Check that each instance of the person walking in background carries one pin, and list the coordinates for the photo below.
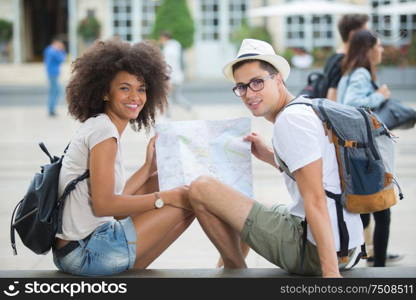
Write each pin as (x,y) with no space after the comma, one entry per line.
(357,85)
(347,25)
(54,55)
(357,88)
(172,51)
(302,59)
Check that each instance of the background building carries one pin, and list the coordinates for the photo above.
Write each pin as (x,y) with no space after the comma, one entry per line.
(307,24)
(310,23)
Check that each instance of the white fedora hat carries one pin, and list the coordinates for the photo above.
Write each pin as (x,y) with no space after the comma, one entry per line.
(256,49)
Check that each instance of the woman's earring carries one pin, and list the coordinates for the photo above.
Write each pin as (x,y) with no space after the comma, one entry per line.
(106,99)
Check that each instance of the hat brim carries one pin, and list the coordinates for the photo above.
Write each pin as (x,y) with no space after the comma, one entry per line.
(279,62)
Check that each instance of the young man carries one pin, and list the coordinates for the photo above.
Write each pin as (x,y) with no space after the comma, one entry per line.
(228,217)
(347,25)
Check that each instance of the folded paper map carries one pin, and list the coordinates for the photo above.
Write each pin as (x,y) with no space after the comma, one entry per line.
(188,149)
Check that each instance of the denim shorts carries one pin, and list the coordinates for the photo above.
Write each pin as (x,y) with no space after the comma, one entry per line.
(110,249)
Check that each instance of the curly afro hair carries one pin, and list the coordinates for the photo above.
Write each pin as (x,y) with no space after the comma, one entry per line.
(93,72)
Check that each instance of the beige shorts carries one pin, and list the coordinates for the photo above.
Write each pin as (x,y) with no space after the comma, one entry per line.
(276,235)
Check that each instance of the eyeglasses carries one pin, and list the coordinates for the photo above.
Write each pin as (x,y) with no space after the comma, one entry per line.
(255,85)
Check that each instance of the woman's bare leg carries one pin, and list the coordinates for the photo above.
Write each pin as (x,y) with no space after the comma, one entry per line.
(157,229)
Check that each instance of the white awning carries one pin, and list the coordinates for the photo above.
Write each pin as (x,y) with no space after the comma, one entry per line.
(399,8)
(309,8)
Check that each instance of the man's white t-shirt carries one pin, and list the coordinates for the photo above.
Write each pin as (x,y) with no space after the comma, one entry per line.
(299,139)
(78,216)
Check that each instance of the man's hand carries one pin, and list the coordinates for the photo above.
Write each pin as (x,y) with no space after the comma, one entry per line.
(260,149)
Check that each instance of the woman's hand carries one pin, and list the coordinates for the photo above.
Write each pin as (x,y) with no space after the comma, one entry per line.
(177,197)
(260,149)
(385,91)
(151,155)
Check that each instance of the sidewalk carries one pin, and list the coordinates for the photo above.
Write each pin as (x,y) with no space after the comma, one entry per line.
(20,158)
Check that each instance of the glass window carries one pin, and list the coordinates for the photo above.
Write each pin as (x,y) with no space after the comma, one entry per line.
(382,25)
(407,28)
(322,31)
(295,31)
(237,11)
(149,9)
(122,19)
(209,19)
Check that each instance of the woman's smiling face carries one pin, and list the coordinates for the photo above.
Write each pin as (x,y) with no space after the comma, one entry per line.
(127,96)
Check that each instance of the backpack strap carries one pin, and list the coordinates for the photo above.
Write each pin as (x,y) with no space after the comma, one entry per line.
(68,189)
(369,135)
(12,229)
(45,150)
(344,237)
(282,166)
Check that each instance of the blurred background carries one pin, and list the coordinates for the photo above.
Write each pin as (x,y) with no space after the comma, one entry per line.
(205,28)
(209,32)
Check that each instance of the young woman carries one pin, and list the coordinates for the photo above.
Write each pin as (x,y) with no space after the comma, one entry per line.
(357,88)
(357,85)
(109,224)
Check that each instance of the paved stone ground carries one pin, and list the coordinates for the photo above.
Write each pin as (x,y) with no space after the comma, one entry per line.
(22,127)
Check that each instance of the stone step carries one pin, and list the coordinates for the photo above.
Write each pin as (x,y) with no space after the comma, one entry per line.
(366,272)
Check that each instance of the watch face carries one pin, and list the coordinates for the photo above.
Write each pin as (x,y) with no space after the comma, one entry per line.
(159,203)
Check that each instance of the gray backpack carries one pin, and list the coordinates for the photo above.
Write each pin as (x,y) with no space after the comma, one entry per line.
(365,154)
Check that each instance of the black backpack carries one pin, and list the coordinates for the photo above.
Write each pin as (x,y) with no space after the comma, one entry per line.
(38,216)
(318,83)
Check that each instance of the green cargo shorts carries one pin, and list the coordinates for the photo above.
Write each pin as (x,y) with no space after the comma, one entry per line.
(276,235)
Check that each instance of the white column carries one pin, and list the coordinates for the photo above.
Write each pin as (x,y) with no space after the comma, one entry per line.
(197,22)
(336,38)
(136,20)
(17,31)
(110,19)
(308,32)
(395,29)
(280,42)
(224,21)
(72,26)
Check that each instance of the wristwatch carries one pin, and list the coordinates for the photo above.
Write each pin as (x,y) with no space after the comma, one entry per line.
(159,203)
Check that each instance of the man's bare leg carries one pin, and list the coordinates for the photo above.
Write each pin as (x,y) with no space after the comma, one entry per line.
(222,212)
(244,250)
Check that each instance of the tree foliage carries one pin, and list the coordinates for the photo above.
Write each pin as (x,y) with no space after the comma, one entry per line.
(89,28)
(173,16)
(245,31)
(6,30)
